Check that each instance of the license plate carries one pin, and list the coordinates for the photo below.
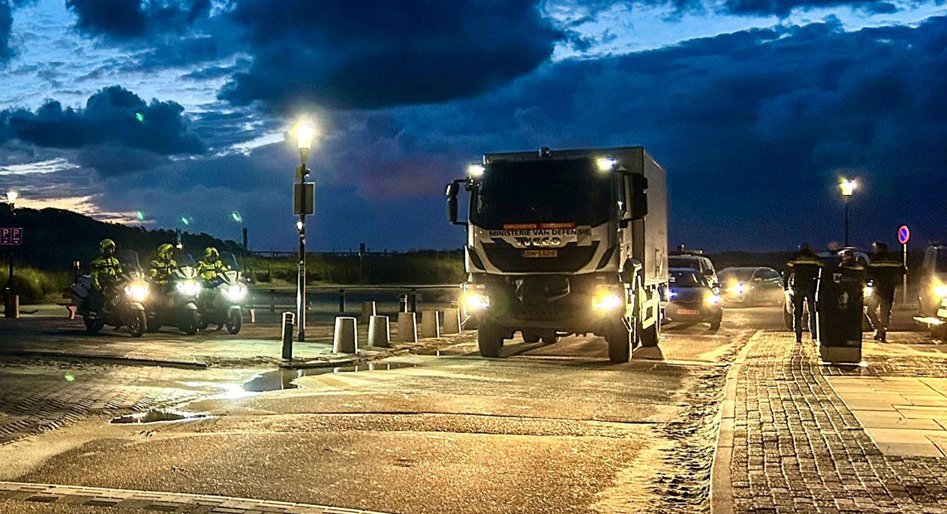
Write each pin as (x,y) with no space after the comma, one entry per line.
(540,254)
(688,312)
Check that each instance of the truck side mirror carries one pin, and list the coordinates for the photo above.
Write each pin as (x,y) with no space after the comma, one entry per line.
(639,196)
(451,193)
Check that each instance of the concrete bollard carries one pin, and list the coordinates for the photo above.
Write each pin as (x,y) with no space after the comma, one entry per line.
(378,332)
(407,327)
(368,310)
(451,321)
(430,324)
(346,338)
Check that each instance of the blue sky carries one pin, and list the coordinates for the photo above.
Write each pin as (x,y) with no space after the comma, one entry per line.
(756,107)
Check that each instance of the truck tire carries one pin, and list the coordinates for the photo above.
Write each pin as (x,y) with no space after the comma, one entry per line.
(489,339)
(531,337)
(649,337)
(552,338)
(619,343)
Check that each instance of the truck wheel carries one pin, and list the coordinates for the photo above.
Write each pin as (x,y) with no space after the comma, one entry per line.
(619,343)
(649,337)
(531,337)
(939,332)
(489,339)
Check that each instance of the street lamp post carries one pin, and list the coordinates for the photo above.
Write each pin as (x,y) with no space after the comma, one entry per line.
(304,135)
(9,308)
(847,187)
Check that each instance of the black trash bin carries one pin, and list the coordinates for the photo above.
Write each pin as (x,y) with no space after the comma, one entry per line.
(839,308)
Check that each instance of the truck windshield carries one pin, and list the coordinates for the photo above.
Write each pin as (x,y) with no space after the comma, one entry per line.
(552,191)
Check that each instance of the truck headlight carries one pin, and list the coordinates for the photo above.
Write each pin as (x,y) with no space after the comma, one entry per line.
(189,288)
(941,291)
(137,291)
(476,300)
(235,293)
(712,299)
(605,301)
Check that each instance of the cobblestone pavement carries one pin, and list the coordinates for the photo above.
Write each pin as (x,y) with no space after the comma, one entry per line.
(798,448)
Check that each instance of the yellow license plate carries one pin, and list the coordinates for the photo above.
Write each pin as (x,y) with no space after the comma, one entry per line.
(540,254)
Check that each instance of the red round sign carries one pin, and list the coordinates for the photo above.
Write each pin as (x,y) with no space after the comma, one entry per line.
(904,234)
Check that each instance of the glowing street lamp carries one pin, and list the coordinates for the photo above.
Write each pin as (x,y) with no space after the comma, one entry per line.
(11,198)
(305,133)
(847,188)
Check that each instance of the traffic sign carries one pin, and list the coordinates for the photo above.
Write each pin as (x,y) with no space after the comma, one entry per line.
(904,234)
(11,236)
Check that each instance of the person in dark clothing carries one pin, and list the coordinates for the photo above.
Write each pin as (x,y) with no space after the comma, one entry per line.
(800,282)
(884,273)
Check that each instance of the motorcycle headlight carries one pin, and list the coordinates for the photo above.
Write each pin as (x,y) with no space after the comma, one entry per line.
(476,300)
(712,299)
(137,291)
(606,301)
(941,291)
(189,287)
(235,293)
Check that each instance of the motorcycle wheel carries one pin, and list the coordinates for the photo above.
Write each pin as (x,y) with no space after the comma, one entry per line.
(137,324)
(234,322)
(93,325)
(192,324)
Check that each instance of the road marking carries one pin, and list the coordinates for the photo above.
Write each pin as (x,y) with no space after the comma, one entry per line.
(159,501)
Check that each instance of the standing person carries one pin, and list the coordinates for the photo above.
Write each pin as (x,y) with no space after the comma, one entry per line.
(800,282)
(884,274)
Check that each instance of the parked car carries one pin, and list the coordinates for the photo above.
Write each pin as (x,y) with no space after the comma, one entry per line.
(751,286)
(692,299)
(696,260)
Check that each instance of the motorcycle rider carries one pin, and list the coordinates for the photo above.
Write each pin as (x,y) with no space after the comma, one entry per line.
(801,281)
(164,266)
(105,272)
(211,268)
(885,272)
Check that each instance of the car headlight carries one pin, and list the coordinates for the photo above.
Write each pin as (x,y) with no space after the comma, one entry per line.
(941,291)
(189,288)
(235,293)
(736,289)
(712,299)
(137,291)
(605,301)
(476,300)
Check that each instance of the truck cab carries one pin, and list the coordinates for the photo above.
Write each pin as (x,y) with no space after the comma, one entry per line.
(565,242)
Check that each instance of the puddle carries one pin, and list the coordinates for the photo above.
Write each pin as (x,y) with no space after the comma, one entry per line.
(280,379)
(156,416)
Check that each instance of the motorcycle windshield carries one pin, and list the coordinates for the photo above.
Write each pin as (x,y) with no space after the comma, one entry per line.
(230,260)
(129,260)
(186,261)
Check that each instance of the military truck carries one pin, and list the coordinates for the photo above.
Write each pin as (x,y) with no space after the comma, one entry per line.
(565,242)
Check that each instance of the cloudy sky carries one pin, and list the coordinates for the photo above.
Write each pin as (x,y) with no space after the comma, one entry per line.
(171,109)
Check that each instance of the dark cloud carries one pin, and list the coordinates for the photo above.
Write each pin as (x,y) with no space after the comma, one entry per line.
(785,7)
(128,19)
(367,54)
(6,26)
(117,131)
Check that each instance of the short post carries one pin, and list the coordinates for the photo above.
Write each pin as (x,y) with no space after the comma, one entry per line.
(403,303)
(430,324)
(368,310)
(341,300)
(272,301)
(413,300)
(289,320)
(407,327)
(451,321)
(345,339)
(378,332)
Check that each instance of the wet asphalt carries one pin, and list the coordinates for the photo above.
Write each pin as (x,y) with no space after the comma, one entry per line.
(544,429)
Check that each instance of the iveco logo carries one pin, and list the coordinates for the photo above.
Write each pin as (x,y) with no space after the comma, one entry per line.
(539,241)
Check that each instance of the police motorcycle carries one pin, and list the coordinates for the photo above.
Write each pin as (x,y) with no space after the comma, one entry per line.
(176,304)
(222,299)
(121,305)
